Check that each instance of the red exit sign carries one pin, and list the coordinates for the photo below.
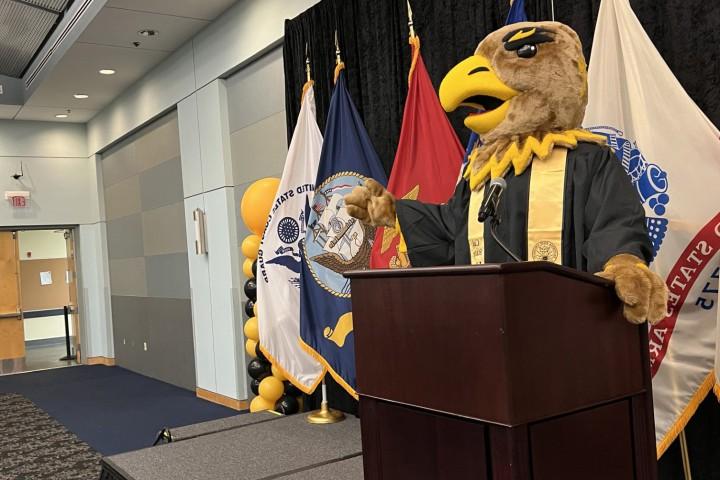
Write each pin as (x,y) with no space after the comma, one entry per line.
(18,199)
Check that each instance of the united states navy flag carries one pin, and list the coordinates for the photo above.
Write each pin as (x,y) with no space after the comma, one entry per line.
(335,242)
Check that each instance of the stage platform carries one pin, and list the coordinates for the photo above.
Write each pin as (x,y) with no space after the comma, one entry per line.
(258,446)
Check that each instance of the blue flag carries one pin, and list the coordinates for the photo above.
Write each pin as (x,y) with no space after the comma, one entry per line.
(335,242)
(515,15)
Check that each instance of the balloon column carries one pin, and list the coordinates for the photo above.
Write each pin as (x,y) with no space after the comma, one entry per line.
(271,386)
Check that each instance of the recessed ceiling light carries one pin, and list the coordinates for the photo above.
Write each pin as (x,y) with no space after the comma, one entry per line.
(107,71)
(80,95)
(61,115)
(148,32)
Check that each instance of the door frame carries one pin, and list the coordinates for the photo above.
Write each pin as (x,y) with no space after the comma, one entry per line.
(81,309)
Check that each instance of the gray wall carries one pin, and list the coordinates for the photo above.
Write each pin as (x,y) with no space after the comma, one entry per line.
(258,135)
(149,280)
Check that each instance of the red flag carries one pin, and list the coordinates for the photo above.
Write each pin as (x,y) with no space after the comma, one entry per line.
(427,160)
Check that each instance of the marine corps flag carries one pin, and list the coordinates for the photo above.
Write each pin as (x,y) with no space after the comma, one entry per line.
(278,275)
(334,241)
(427,158)
(672,153)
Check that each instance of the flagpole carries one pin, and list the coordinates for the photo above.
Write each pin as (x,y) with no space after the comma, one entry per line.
(685,455)
(552,10)
(410,20)
(307,64)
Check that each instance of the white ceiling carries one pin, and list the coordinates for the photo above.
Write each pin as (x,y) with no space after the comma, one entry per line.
(107,42)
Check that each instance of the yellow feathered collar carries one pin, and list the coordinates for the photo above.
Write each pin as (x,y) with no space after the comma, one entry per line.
(519,152)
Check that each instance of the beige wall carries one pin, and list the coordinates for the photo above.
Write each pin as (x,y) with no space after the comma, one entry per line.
(42,244)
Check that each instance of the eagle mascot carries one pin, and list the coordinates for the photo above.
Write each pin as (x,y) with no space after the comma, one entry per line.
(568,200)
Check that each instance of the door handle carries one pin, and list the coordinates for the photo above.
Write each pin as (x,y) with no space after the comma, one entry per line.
(11,315)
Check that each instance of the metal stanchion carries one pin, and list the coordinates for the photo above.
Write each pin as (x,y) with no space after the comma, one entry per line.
(68,356)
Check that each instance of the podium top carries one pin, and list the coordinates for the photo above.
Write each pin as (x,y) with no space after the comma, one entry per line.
(486,269)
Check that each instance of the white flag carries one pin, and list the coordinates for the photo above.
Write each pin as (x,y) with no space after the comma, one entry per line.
(278,264)
(671,151)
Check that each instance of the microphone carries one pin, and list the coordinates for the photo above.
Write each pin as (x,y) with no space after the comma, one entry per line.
(489,209)
(490,204)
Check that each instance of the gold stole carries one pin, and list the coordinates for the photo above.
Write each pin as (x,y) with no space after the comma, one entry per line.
(545,212)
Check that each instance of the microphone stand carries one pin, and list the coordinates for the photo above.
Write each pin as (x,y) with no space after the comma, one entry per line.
(494,222)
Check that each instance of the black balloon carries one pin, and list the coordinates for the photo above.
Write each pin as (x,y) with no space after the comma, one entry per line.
(254,268)
(288,405)
(292,390)
(259,353)
(258,369)
(250,289)
(255,386)
(249,308)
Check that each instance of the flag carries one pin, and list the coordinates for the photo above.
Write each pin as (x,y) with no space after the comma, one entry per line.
(335,242)
(278,272)
(671,152)
(427,158)
(515,15)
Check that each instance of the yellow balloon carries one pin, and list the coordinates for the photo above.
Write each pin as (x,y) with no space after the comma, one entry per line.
(250,345)
(271,389)
(247,268)
(278,374)
(250,246)
(259,404)
(251,329)
(256,203)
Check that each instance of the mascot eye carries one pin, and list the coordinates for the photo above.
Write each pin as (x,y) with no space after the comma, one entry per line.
(527,51)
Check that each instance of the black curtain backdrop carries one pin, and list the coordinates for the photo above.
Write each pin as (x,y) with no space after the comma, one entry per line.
(373,40)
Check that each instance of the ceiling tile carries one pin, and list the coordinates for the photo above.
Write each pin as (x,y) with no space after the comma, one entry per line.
(204,10)
(119,27)
(8,111)
(77,72)
(47,114)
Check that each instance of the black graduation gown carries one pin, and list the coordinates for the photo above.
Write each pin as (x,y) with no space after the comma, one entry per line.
(602,217)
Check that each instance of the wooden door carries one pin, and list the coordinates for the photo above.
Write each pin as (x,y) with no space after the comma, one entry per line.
(12,331)
(71,279)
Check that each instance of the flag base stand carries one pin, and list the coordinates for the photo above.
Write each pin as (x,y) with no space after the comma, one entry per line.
(325,415)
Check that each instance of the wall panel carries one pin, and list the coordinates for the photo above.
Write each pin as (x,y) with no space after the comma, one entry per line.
(149,279)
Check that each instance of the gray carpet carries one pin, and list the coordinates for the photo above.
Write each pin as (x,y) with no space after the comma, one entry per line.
(350,469)
(34,446)
(264,450)
(220,425)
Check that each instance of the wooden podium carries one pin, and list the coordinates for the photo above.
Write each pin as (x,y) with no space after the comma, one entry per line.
(512,371)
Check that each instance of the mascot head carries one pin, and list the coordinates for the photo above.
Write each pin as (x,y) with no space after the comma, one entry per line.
(525,78)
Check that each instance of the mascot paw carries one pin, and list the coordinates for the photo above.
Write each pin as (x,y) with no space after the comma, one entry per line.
(642,291)
(371,204)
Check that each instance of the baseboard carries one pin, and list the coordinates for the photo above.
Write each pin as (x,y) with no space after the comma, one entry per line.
(109,362)
(222,399)
(45,342)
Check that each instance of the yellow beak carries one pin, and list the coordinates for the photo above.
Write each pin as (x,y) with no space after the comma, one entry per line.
(473,83)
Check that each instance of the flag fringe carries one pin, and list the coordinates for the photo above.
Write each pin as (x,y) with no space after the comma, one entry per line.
(415,44)
(683,419)
(305,88)
(341,381)
(303,388)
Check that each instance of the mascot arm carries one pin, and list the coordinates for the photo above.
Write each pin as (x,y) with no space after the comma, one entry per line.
(618,245)
(430,230)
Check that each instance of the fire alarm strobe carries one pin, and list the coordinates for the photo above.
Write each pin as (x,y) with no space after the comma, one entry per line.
(18,199)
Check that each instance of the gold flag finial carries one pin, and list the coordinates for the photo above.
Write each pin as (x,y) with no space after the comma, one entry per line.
(307,62)
(410,20)
(338,58)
